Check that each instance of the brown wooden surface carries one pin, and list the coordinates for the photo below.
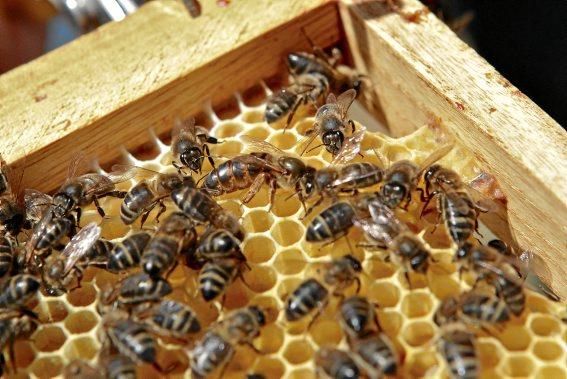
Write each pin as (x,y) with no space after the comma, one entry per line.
(422,69)
(107,88)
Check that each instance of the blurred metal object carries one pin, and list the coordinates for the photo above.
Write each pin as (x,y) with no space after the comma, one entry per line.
(89,14)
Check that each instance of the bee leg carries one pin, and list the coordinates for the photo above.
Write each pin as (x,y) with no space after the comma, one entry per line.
(79,212)
(251,346)
(117,194)
(209,158)
(273,188)
(178,167)
(98,207)
(317,314)
(424,210)
(308,211)
(407,276)
(358,285)
(11,354)
(162,209)
(224,367)
(255,187)
(352,126)
(171,269)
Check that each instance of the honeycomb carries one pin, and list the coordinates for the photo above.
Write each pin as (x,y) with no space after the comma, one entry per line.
(280,258)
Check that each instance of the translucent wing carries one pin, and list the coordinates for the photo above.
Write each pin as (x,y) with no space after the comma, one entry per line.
(348,178)
(36,233)
(253,159)
(350,147)
(435,156)
(78,165)
(331,99)
(487,194)
(536,273)
(80,244)
(183,126)
(122,170)
(383,225)
(345,100)
(120,176)
(258,145)
(36,203)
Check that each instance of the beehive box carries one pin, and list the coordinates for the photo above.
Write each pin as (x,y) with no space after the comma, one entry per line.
(105,90)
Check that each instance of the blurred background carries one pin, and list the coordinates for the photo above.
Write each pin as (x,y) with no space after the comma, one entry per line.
(525,40)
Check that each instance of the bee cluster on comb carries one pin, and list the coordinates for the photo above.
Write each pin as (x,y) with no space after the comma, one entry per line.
(281,259)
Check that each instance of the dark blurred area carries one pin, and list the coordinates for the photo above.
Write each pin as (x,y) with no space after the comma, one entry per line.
(525,40)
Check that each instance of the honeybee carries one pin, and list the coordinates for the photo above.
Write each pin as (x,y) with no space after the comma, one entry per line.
(136,291)
(329,182)
(335,363)
(306,88)
(127,253)
(189,145)
(80,369)
(175,234)
(47,234)
(375,354)
(131,339)
(454,202)
(331,123)
(173,319)
(312,295)
(402,177)
(59,269)
(14,324)
(216,348)
(356,314)
(314,75)
(332,223)
(82,190)
(501,271)
(473,309)
(12,209)
(146,194)
(457,346)
(202,208)
(18,290)
(291,171)
(121,367)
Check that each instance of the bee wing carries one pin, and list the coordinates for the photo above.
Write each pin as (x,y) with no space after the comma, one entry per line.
(384,215)
(331,99)
(536,272)
(80,244)
(36,203)
(123,174)
(78,164)
(183,126)
(125,169)
(36,233)
(252,159)
(347,178)
(373,231)
(435,156)
(258,145)
(350,147)
(344,101)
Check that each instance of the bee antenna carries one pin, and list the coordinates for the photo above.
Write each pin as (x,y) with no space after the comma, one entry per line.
(292,195)
(313,148)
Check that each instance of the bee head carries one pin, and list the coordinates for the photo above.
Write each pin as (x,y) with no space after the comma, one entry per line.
(258,315)
(297,63)
(333,141)
(192,158)
(393,193)
(353,262)
(307,182)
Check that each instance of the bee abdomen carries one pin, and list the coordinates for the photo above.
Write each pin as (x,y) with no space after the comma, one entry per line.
(459,352)
(363,175)
(377,351)
(512,294)
(132,340)
(141,287)
(356,313)
(486,308)
(330,223)
(209,354)
(221,244)
(193,202)
(18,290)
(100,250)
(126,254)
(53,232)
(305,299)
(336,364)
(278,105)
(160,255)
(6,256)
(459,216)
(215,277)
(135,202)
(176,318)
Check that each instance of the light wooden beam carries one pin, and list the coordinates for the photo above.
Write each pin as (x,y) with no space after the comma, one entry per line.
(421,70)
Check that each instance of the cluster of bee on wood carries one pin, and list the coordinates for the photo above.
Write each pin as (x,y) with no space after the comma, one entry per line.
(43,246)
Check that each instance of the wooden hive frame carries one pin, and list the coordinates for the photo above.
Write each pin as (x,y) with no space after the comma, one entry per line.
(103,90)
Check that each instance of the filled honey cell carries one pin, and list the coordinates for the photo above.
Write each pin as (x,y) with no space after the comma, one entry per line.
(81,348)
(416,305)
(518,367)
(258,221)
(297,351)
(547,350)
(49,339)
(544,325)
(81,322)
(259,248)
(326,332)
(228,129)
(418,333)
(515,338)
